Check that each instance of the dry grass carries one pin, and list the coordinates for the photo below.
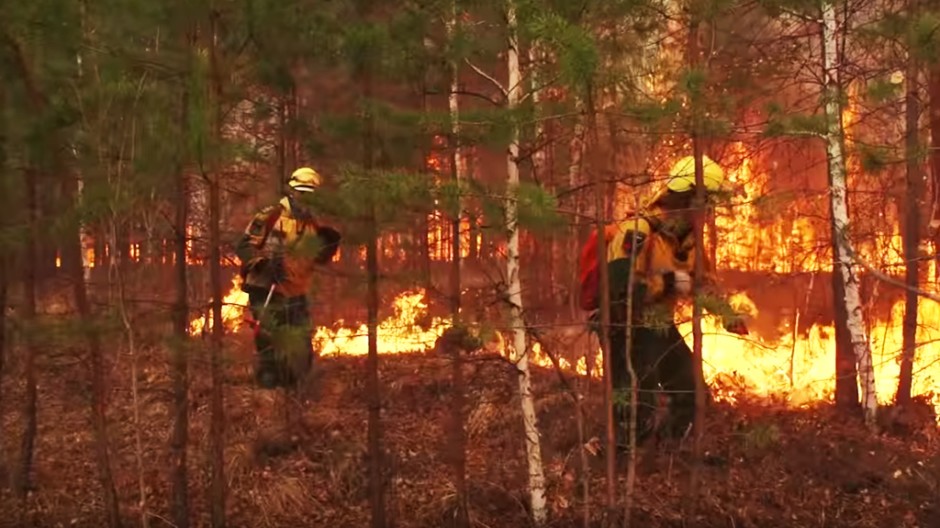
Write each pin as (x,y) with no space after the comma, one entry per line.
(766,467)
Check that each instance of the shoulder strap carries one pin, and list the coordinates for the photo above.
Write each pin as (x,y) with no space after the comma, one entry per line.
(273,216)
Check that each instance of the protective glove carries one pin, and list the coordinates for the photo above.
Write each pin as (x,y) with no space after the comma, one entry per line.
(278,272)
(683,282)
(735,325)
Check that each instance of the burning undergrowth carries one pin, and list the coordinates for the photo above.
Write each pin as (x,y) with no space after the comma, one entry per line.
(793,367)
(772,459)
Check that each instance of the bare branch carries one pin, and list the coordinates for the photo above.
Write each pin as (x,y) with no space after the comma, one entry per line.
(539,88)
(502,89)
(468,93)
(884,277)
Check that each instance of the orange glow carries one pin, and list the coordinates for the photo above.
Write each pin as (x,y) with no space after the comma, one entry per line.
(752,237)
(440,228)
(233,310)
(191,259)
(406,330)
(735,365)
(398,334)
(440,234)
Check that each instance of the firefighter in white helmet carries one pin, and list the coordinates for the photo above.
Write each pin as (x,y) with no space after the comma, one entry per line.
(662,270)
(278,252)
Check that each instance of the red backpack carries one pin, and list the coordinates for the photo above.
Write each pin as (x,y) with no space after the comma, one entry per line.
(589,276)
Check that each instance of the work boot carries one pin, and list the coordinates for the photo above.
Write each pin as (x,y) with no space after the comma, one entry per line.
(266,372)
(266,378)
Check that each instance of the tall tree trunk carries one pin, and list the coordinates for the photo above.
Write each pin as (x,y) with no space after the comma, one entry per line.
(7,204)
(540,246)
(575,171)
(72,261)
(514,286)
(217,420)
(217,410)
(281,149)
(698,274)
(840,218)
(20,476)
(456,168)
(600,218)
(23,470)
(458,440)
(420,249)
(179,365)
(933,89)
(914,188)
(376,458)
(4,299)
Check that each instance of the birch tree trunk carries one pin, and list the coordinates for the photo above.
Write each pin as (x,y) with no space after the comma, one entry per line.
(575,166)
(456,167)
(514,293)
(840,218)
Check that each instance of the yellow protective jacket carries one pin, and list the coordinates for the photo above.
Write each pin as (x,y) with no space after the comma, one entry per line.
(276,232)
(658,255)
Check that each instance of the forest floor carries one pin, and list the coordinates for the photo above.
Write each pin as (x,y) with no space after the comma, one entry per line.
(765,465)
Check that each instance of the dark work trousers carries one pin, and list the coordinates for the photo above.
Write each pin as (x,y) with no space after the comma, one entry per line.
(285,352)
(662,362)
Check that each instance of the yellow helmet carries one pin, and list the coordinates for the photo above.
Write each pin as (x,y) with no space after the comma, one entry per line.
(304,179)
(682,177)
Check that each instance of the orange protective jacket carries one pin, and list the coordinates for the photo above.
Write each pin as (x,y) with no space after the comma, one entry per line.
(276,232)
(658,255)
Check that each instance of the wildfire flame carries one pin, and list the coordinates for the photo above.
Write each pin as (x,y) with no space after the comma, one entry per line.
(796,369)
(734,365)
(233,311)
(407,330)
(803,371)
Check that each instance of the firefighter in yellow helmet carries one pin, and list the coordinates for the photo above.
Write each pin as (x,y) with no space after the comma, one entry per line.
(278,252)
(661,240)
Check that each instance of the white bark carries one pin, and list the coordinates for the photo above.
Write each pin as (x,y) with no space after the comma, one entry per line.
(539,157)
(840,214)
(532,440)
(454,106)
(576,147)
